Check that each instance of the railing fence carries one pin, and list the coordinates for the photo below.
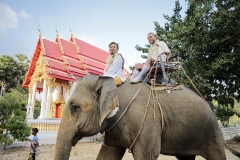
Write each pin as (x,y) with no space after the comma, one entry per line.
(230,132)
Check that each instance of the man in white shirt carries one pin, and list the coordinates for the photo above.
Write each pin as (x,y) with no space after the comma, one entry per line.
(156,47)
(114,64)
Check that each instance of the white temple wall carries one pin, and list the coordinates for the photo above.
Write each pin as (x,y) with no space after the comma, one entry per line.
(48,101)
(46,95)
(55,93)
(43,101)
(33,100)
(29,105)
(67,95)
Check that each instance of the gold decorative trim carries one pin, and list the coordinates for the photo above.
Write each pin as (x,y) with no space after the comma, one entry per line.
(83,64)
(40,72)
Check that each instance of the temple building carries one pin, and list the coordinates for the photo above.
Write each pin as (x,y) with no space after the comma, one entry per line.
(54,69)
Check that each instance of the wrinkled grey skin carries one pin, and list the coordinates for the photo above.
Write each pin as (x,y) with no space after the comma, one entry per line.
(190,127)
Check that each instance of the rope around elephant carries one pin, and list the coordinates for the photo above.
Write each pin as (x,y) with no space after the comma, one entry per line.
(144,117)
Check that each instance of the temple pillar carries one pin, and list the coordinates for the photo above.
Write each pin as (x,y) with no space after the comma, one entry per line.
(47,113)
(28,107)
(43,104)
(33,100)
(55,95)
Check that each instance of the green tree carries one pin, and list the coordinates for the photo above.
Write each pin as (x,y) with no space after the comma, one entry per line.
(208,41)
(234,120)
(13,71)
(23,64)
(9,69)
(224,112)
(13,124)
(22,94)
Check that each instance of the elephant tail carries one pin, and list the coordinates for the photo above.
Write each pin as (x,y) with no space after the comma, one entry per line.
(235,152)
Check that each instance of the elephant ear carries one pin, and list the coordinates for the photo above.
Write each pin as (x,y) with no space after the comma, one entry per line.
(106,91)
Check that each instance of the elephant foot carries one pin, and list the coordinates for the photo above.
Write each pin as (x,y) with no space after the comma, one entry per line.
(186,157)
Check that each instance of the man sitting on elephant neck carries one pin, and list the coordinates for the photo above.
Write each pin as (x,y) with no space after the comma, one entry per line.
(156,47)
(114,64)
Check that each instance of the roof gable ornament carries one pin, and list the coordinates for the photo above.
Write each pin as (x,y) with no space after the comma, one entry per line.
(82,62)
(39,32)
(65,64)
(57,39)
(41,40)
(59,43)
(70,31)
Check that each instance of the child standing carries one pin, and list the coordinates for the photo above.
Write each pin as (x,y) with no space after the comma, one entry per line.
(34,142)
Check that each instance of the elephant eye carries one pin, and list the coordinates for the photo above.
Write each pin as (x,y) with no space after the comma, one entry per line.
(75,108)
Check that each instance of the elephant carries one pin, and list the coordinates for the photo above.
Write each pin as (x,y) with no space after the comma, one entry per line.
(190,126)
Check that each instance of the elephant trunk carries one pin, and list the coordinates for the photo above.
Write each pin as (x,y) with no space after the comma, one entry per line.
(64,140)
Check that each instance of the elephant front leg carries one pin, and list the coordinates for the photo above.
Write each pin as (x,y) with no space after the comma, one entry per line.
(144,153)
(106,153)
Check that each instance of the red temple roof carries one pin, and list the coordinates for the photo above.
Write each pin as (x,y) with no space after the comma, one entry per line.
(32,65)
(91,51)
(60,75)
(63,59)
(71,57)
(94,57)
(52,63)
(68,48)
(51,49)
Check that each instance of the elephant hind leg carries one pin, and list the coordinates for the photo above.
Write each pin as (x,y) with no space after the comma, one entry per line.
(216,156)
(186,157)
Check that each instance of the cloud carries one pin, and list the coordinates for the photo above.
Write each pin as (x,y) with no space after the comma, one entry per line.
(23,14)
(9,18)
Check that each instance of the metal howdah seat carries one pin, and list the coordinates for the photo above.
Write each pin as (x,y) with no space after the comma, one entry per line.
(164,73)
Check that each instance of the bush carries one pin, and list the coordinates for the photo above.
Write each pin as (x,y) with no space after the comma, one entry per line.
(13,125)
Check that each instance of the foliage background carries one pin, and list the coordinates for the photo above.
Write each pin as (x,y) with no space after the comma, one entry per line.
(13,99)
(208,41)
(13,124)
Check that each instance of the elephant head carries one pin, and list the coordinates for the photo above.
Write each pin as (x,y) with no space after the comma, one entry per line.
(93,99)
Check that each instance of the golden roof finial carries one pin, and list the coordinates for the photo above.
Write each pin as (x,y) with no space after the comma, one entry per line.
(70,30)
(56,30)
(39,30)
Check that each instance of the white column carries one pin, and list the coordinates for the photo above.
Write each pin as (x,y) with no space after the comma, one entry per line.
(28,107)
(48,102)
(33,99)
(43,104)
(56,93)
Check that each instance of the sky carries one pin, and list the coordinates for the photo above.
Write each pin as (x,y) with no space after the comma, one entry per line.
(126,22)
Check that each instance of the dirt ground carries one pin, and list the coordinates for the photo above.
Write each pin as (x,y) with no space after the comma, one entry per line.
(89,151)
